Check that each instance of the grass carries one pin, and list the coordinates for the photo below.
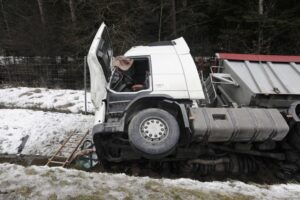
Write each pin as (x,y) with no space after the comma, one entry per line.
(158,190)
(64,183)
(30,171)
(29,93)
(181,194)
(65,105)
(52,197)
(24,191)
(37,90)
(50,174)
(128,193)
(101,194)
(153,186)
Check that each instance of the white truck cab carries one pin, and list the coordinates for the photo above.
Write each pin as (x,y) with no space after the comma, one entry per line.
(170,69)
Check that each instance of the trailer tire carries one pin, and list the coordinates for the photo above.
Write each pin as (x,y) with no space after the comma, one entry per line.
(154,133)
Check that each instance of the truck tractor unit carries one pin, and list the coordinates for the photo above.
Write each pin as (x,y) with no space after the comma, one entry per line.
(153,104)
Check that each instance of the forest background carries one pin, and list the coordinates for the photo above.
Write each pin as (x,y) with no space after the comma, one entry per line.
(67,27)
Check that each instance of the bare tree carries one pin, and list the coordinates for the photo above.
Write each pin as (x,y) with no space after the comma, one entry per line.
(184,7)
(261,7)
(41,9)
(160,19)
(173,11)
(5,18)
(72,11)
(260,24)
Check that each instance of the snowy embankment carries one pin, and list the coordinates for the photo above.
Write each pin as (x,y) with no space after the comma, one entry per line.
(36,182)
(45,130)
(45,99)
(29,132)
(44,133)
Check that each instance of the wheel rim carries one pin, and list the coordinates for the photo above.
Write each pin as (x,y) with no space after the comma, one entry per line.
(154,129)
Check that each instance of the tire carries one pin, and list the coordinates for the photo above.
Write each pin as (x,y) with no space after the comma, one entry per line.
(154,133)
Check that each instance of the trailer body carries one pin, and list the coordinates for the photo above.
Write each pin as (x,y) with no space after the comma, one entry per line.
(262,80)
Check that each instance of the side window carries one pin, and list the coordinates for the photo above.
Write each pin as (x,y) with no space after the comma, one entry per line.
(104,53)
(135,79)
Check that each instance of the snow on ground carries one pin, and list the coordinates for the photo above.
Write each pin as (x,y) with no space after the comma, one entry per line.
(40,182)
(46,130)
(45,99)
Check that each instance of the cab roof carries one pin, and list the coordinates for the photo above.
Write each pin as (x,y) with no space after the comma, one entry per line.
(178,46)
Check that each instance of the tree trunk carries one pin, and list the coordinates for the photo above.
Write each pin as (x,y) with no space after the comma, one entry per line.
(184,8)
(174,28)
(261,7)
(41,9)
(4,18)
(260,28)
(160,20)
(72,11)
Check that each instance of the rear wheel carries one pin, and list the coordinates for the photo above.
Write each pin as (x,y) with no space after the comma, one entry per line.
(154,132)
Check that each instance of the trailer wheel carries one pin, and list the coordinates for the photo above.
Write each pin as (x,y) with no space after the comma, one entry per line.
(154,133)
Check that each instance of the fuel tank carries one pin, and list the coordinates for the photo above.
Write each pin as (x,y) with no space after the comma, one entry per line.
(237,124)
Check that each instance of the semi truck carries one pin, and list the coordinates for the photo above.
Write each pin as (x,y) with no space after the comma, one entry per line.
(158,107)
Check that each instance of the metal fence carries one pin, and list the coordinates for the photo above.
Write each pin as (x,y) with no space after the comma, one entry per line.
(57,72)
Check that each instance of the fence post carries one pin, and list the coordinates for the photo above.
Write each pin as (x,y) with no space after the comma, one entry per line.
(85,101)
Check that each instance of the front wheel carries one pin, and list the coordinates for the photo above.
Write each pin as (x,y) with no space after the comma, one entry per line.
(154,132)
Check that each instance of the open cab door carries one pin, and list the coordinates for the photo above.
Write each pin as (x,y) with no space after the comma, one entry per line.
(99,61)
